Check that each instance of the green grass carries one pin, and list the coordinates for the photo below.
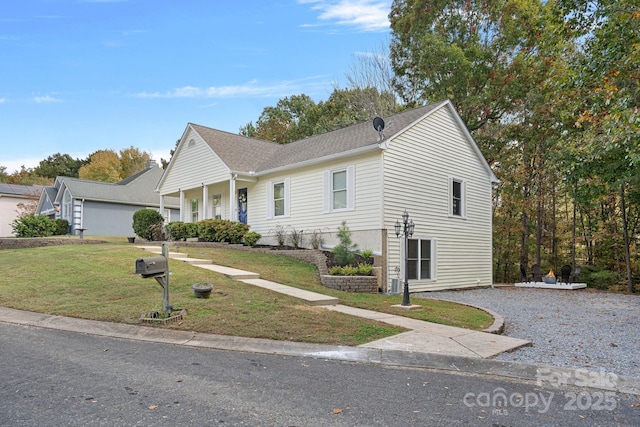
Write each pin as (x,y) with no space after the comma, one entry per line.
(295,273)
(99,282)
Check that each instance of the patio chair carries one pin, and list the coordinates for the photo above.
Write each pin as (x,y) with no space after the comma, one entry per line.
(576,274)
(565,273)
(523,274)
(536,272)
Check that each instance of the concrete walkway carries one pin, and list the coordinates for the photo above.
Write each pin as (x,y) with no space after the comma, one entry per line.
(423,337)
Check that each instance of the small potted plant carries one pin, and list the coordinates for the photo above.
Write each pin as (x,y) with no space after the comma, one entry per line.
(202,289)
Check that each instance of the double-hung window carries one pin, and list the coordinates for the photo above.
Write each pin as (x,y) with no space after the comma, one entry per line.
(457,202)
(339,189)
(279,196)
(420,259)
(216,206)
(194,210)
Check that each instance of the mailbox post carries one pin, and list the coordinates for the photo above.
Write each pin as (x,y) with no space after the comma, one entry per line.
(158,268)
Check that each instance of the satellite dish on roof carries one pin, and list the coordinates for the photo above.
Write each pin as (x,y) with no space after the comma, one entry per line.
(378,124)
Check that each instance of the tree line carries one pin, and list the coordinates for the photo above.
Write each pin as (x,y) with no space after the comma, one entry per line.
(102,165)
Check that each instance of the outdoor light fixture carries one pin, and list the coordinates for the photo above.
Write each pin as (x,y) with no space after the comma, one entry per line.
(406,230)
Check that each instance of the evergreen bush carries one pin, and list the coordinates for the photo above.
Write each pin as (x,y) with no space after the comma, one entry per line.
(345,251)
(62,227)
(32,225)
(147,223)
(251,238)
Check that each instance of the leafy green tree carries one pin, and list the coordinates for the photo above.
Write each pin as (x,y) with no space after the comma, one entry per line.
(299,116)
(103,165)
(27,176)
(288,121)
(472,52)
(606,109)
(132,161)
(58,165)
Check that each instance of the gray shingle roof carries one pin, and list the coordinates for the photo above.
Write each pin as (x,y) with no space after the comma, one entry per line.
(135,190)
(244,154)
(19,190)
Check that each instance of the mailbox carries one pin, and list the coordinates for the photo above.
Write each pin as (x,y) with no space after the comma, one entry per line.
(151,267)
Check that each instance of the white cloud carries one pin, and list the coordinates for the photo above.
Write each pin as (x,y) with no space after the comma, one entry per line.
(364,15)
(15,165)
(46,99)
(247,90)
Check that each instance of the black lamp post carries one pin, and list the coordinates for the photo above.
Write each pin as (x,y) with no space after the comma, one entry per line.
(406,230)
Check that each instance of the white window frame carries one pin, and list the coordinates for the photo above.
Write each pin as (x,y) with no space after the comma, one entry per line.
(195,214)
(67,205)
(432,260)
(463,198)
(271,201)
(329,191)
(217,210)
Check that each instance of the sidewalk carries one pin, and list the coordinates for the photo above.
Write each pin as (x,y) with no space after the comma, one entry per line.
(423,337)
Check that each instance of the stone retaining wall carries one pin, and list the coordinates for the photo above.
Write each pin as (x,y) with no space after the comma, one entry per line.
(36,242)
(363,284)
(366,284)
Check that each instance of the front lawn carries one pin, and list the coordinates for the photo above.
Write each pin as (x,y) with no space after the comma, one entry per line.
(99,282)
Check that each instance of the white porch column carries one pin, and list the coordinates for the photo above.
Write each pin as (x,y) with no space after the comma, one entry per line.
(162,208)
(233,214)
(205,201)
(181,205)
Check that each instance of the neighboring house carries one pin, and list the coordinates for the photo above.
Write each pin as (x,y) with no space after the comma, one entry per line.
(424,161)
(12,195)
(103,208)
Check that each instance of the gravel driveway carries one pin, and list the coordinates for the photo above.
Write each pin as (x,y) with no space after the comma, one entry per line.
(574,329)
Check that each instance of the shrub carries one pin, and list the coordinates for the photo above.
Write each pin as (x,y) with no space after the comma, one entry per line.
(147,223)
(349,270)
(281,235)
(316,239)
(336,270)
(221,230)
(251,238)
(602,279)
(345,251)
(32,225)
(62,227)
(296,238)
(365,269)
(207,230)
(178,230)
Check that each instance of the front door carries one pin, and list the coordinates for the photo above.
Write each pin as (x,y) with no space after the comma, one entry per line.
(242,205)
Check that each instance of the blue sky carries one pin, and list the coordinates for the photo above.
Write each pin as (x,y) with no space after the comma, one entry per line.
(78,76)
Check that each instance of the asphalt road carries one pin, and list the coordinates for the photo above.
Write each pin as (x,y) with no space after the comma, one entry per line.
(55,378)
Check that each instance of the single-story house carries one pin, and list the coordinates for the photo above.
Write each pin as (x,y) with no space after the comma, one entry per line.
(103,208)
(423,161)
(11,196)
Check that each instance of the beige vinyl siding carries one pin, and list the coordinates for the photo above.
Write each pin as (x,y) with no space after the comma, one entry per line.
(418,166)
(307,203)
(194,165)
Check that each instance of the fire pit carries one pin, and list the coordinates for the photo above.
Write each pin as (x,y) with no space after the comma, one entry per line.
(549,278)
